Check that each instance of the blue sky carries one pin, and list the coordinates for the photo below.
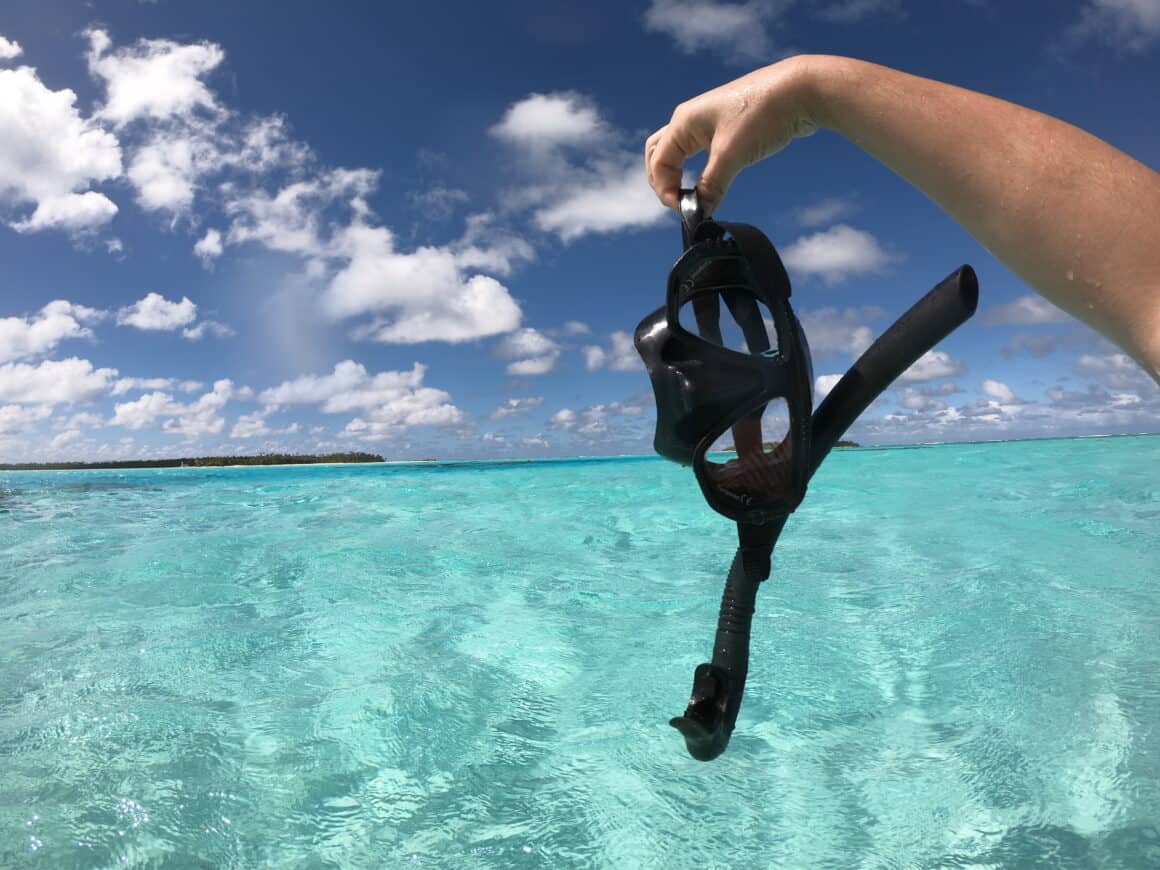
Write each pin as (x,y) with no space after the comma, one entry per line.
(424,231)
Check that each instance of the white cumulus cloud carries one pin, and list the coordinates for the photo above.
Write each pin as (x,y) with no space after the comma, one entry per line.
(42,332)
(836,254)
(83,420)
(348,379)
(1128,25)
(153,78)
(1028,310)
(579,179)
(209,247)
(156,313)
(144,411)
(423,295)
(389,402)
(128,385)
(53,382)
(164,171)
(181,134)
(916,400)
(536,366)
(824,212)
(74,213)
(619,355)
(545,121)
(998,390)
(822,386)
(489,248)
(513,407)
(593,420)
(9,48)
(594,357)
(432,293)
(52,156)
(1034,345)
(1116,371)
(17,419)
(845,330)
(849,11)
(291,220)
(438,203)
(931,365)
(251,426)
(532,352)
(739,31)
(65,439)
(615,197)
(207,327)
(255,425)
(193,419)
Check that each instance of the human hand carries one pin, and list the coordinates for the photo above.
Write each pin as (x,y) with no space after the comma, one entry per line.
(739,123)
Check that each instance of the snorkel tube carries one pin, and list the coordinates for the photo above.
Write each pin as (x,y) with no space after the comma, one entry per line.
(718,686)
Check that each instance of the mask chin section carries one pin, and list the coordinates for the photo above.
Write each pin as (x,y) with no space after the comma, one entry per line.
(751,462)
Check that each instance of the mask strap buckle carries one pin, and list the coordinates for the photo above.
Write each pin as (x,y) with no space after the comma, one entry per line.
(692,216)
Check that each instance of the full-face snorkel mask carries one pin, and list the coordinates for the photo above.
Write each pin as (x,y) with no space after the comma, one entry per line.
(704,388)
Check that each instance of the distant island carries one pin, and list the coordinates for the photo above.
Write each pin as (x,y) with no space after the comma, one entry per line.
(196,462)
(772,445)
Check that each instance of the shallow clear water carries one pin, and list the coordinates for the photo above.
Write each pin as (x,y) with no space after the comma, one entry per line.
(956,663)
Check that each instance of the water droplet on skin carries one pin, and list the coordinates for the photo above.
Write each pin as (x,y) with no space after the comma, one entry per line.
(1070,275)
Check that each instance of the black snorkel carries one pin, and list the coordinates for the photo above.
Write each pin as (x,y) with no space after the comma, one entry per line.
(702,389)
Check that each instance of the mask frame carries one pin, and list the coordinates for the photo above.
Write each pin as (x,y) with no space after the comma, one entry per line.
(702,387)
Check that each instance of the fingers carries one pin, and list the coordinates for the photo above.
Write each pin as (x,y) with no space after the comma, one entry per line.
(691,131)
(665,153)
(719,173)
(650,145)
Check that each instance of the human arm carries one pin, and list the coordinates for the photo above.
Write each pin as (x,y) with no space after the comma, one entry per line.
(1074,217)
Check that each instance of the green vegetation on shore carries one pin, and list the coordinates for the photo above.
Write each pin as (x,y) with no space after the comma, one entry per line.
(197,462)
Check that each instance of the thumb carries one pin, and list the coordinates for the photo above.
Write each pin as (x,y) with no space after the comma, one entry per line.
(720,170)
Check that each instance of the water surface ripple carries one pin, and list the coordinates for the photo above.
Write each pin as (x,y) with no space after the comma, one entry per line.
(955,664)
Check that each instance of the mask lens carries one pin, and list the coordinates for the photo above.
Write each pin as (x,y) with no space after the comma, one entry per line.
(750,461)
(731,317)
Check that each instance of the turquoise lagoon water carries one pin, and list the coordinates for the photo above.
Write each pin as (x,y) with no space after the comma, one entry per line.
(955,664)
